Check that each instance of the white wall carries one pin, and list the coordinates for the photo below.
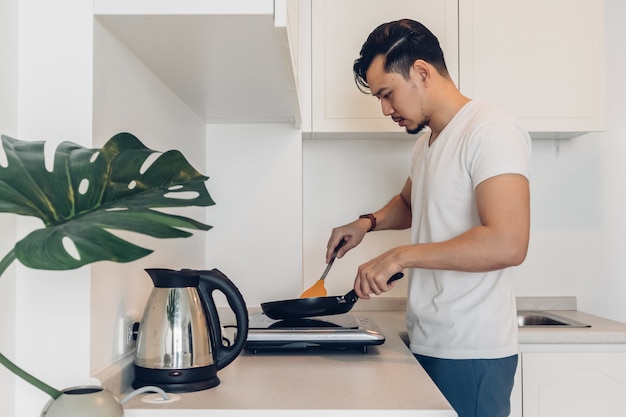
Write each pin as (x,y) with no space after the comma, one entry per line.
(8,126)
(341,180)
(7,318)
(54,104)
(129,98)
(256,182)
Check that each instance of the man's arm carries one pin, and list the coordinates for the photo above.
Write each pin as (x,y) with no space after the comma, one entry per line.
(501,240)
(395,215)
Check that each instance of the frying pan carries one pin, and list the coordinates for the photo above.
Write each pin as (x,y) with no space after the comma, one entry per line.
(314,306)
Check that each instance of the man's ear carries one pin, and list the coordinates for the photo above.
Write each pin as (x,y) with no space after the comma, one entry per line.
(421,70)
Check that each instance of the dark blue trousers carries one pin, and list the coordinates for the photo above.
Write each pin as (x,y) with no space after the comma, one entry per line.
(474,387)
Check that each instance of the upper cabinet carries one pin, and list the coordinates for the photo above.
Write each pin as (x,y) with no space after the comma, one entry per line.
(543,61)
(339,29)
(290,61)
(228,61)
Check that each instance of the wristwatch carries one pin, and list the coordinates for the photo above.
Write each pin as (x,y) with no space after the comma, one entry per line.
(372,219)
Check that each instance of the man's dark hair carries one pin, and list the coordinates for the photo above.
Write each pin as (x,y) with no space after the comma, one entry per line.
(401,43)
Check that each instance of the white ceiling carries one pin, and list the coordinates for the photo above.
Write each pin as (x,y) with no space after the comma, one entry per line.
(227,68)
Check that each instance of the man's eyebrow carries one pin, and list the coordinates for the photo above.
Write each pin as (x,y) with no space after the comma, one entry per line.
(379,92)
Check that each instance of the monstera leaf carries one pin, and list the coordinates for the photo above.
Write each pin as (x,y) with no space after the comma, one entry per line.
(88,193)
(92,191)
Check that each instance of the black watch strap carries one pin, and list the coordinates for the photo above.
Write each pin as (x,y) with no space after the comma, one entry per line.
(372,219)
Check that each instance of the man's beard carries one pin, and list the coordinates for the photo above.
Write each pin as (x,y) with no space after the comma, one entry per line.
(417,130)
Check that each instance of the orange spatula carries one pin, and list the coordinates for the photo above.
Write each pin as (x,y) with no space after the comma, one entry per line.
(318,289)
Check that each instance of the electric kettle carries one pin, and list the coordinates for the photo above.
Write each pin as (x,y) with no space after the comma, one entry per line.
(180,346)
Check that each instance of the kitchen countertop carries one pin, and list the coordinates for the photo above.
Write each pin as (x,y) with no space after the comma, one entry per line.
(602,331)
(386,379)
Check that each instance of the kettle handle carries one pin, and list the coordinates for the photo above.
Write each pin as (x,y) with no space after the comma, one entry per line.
(215,280)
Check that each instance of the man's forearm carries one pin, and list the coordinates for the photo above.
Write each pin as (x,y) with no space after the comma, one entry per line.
(395,215)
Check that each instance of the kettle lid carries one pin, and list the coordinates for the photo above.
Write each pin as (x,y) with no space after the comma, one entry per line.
(169,278)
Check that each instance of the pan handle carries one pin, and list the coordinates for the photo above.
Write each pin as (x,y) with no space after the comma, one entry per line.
(351,296)
(395,277)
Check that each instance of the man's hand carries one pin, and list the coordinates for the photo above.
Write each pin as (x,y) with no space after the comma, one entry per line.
(373,275)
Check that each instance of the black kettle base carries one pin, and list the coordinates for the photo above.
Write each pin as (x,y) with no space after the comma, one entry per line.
(179,388)
(177,380)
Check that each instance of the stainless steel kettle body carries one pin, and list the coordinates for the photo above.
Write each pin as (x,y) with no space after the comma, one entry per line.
(179,345)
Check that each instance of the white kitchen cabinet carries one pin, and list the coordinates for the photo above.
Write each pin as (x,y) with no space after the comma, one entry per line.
(286,22)
(339,29)
(543,61)
(574,384)
(228,61)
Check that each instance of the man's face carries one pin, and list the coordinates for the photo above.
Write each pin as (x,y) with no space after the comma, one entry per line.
(399,98)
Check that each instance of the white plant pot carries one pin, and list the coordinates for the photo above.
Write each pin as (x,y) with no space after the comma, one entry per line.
(81,401)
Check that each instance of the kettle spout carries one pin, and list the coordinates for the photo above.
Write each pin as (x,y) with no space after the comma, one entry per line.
(169,278)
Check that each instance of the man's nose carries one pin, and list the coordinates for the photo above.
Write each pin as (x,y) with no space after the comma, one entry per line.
(387,108)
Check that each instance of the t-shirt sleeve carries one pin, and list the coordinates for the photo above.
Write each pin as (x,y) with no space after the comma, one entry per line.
(497,147)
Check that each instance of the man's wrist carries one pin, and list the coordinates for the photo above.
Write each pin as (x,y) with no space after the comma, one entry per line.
(372,219)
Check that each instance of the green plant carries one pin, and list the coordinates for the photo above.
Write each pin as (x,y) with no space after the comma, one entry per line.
(88,193)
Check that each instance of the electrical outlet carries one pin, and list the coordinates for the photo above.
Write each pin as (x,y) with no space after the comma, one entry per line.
(126,331)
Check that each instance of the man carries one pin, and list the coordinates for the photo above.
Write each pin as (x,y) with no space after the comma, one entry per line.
(467,202)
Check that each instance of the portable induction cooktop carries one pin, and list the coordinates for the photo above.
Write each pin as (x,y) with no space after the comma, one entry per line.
(336,332)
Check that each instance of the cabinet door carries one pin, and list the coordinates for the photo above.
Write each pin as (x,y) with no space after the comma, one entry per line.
(574,384)
(542,60)
(286,22)
(339,28)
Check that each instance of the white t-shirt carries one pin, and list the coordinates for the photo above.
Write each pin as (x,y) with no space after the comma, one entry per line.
(454,314)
